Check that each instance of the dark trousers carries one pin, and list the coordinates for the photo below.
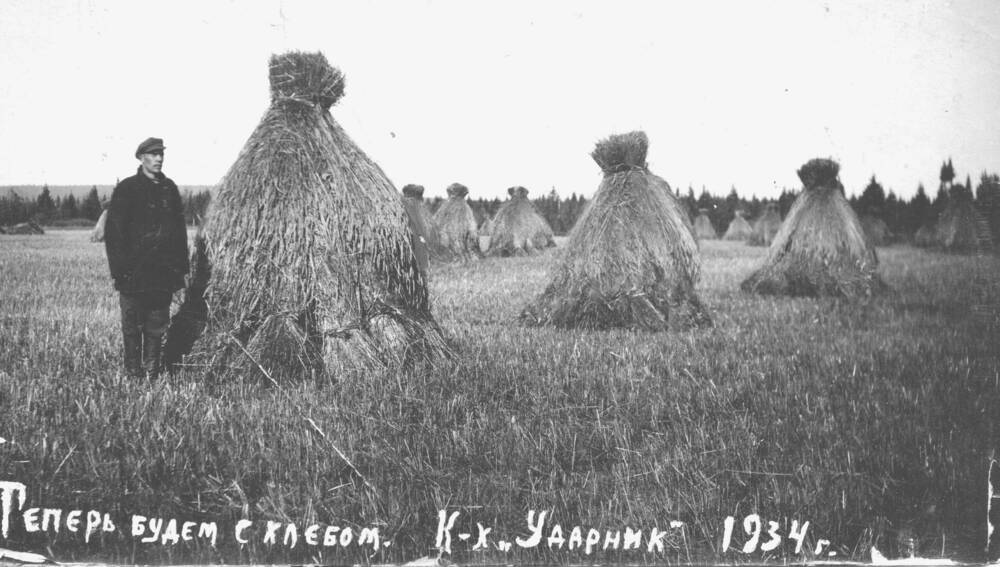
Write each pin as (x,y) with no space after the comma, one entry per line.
(144,321)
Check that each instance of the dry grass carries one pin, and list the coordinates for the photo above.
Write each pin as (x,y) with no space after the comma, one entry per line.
(313,269)
(631,260)
(422,222)
(456,225)
(821,248)
(766,227)
(739,228)
(956,229)
(703,228)
(876,230)
(861,417)
(517,228)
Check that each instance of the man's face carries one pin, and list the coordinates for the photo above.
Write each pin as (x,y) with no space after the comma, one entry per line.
(152,162)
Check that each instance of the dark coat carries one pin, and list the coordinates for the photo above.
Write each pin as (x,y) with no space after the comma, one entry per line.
(145,235)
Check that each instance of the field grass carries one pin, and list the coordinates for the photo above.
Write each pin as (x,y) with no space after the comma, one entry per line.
(864,418)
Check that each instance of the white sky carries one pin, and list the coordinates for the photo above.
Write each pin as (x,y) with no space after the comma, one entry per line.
(494,94)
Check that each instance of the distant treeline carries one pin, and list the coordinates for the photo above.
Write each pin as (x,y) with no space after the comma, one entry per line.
(903,217)
(70,210)
(45,210)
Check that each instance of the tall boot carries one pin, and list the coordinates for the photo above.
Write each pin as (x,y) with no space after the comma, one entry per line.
(132,343)
(131,337)
(153,329)
(152,347)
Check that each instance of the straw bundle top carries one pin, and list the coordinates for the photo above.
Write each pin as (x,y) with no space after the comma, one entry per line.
(457,190)
(517,192)
(414,191)
(621,152)
(307,77)
(819,172)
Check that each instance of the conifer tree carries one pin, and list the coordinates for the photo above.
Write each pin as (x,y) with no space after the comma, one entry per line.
(872,200)
(947,172)
(90,208)
(919,211)
(68,208)
(45,206)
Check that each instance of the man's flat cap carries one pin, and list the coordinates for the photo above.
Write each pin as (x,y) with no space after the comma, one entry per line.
(150,145)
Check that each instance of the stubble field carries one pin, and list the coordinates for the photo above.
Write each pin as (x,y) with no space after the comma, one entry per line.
(866,418)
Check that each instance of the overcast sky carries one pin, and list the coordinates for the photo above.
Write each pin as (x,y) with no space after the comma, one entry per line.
(494,94)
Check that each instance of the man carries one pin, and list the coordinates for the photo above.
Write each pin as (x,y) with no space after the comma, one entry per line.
(146,241)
